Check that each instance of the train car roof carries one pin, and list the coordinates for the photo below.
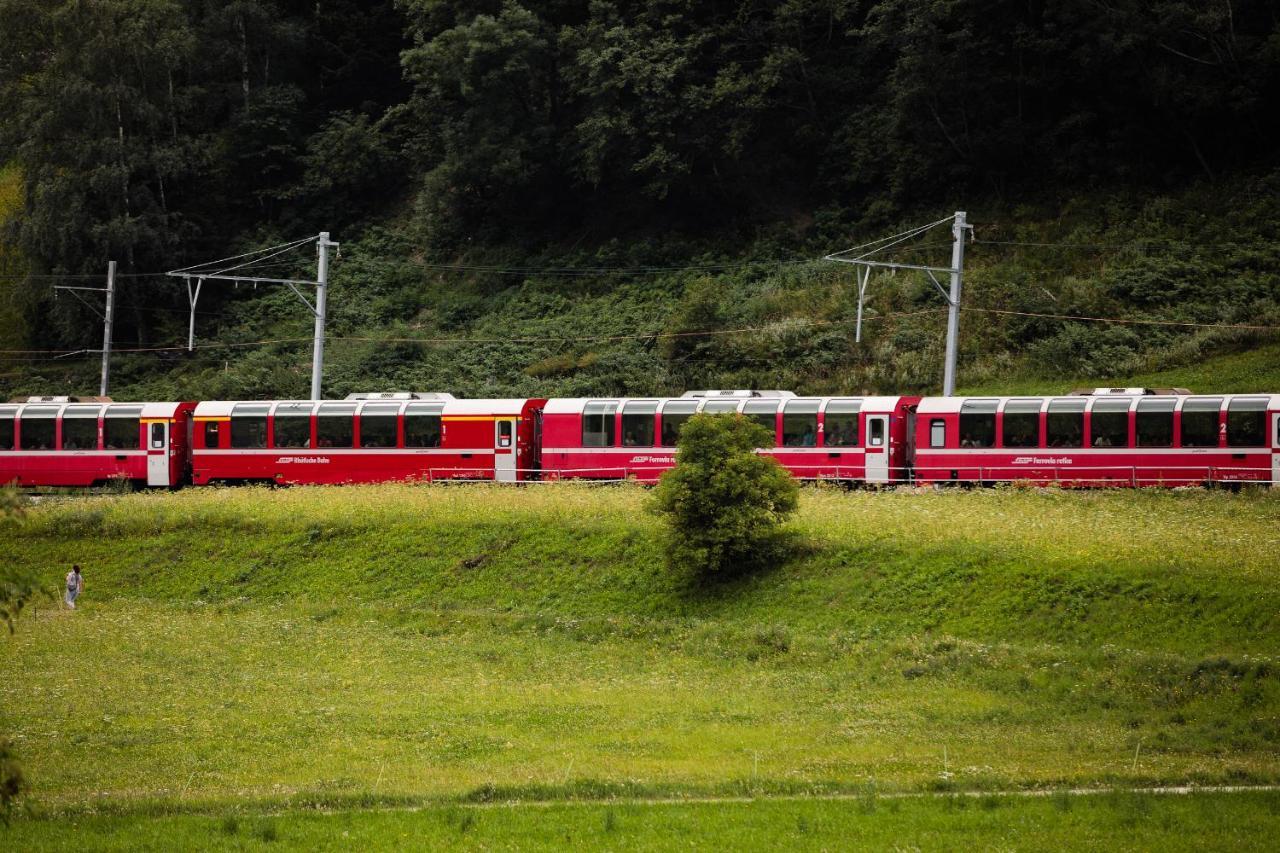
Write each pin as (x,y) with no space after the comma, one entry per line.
(145,410)
(950,405)
(575,405)
(505,406)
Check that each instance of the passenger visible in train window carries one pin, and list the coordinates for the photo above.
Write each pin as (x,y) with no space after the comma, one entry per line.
(809,439)
(629,439)
(1102,441)
(967,440)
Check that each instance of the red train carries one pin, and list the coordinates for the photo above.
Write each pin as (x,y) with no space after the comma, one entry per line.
(1108,437)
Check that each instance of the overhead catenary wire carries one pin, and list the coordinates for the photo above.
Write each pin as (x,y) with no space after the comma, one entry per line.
(194,269)
(543,339)
(499,269)
(550,339)
(1135,321)
(889,242)
(253,262)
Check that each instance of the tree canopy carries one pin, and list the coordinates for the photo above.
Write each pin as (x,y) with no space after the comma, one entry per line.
(158,132)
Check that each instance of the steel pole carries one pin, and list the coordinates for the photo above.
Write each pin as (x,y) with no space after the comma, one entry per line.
(107,318)
(322,287)
(953,312)
(863,273)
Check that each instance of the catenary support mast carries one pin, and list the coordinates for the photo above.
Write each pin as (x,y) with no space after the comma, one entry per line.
(108,318)
(953,310)
(322,288)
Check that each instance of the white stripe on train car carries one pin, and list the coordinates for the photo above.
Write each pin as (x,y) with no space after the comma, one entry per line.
(1098,451)
(672,450)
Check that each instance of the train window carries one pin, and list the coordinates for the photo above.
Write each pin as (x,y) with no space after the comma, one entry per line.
(937,433)
(800,423)
(1247,422)
(157,436)
(1109,423)
(292,425)
(335,425)
(38,427)
(80,427)
(674,414)
(211,431)
(1022,423)
(597,423)
(840,423)
(422,425)
(6,426)
(978,423)
(1154,423)
(715,407)
(1064,423)
(249,425)
(875,430)
(765,413)
(637,423)
(378,424)
(120,428)
(1200,422)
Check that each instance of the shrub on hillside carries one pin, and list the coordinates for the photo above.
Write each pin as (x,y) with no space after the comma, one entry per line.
(723,502)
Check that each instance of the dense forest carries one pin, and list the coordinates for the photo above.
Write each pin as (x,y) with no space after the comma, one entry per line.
(549,196)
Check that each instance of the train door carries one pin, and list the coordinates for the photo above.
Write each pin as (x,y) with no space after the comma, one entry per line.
(1275,449)
(504,450)
(907,457)
(877,450)
(158,453)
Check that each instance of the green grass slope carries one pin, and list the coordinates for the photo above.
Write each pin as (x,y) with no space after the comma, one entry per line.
(1114,821)
(245,648)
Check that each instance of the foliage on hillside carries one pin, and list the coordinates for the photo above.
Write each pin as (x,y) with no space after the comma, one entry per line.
(1209,255)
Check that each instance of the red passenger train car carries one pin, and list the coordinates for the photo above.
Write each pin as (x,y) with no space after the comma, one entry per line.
(1117,437)
(1109,437)
(366,439)
(61,441)
(853,439)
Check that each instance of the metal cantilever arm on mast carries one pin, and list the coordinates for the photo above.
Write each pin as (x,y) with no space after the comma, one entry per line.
(955,271)
(317,309)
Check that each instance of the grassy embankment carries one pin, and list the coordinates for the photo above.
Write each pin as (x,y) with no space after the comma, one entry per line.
(1058,822)
(1249,372)
(247,650)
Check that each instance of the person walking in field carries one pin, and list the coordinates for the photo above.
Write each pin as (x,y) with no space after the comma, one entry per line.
(75,586)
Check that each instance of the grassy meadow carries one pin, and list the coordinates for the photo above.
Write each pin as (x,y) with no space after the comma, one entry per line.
(249,654)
